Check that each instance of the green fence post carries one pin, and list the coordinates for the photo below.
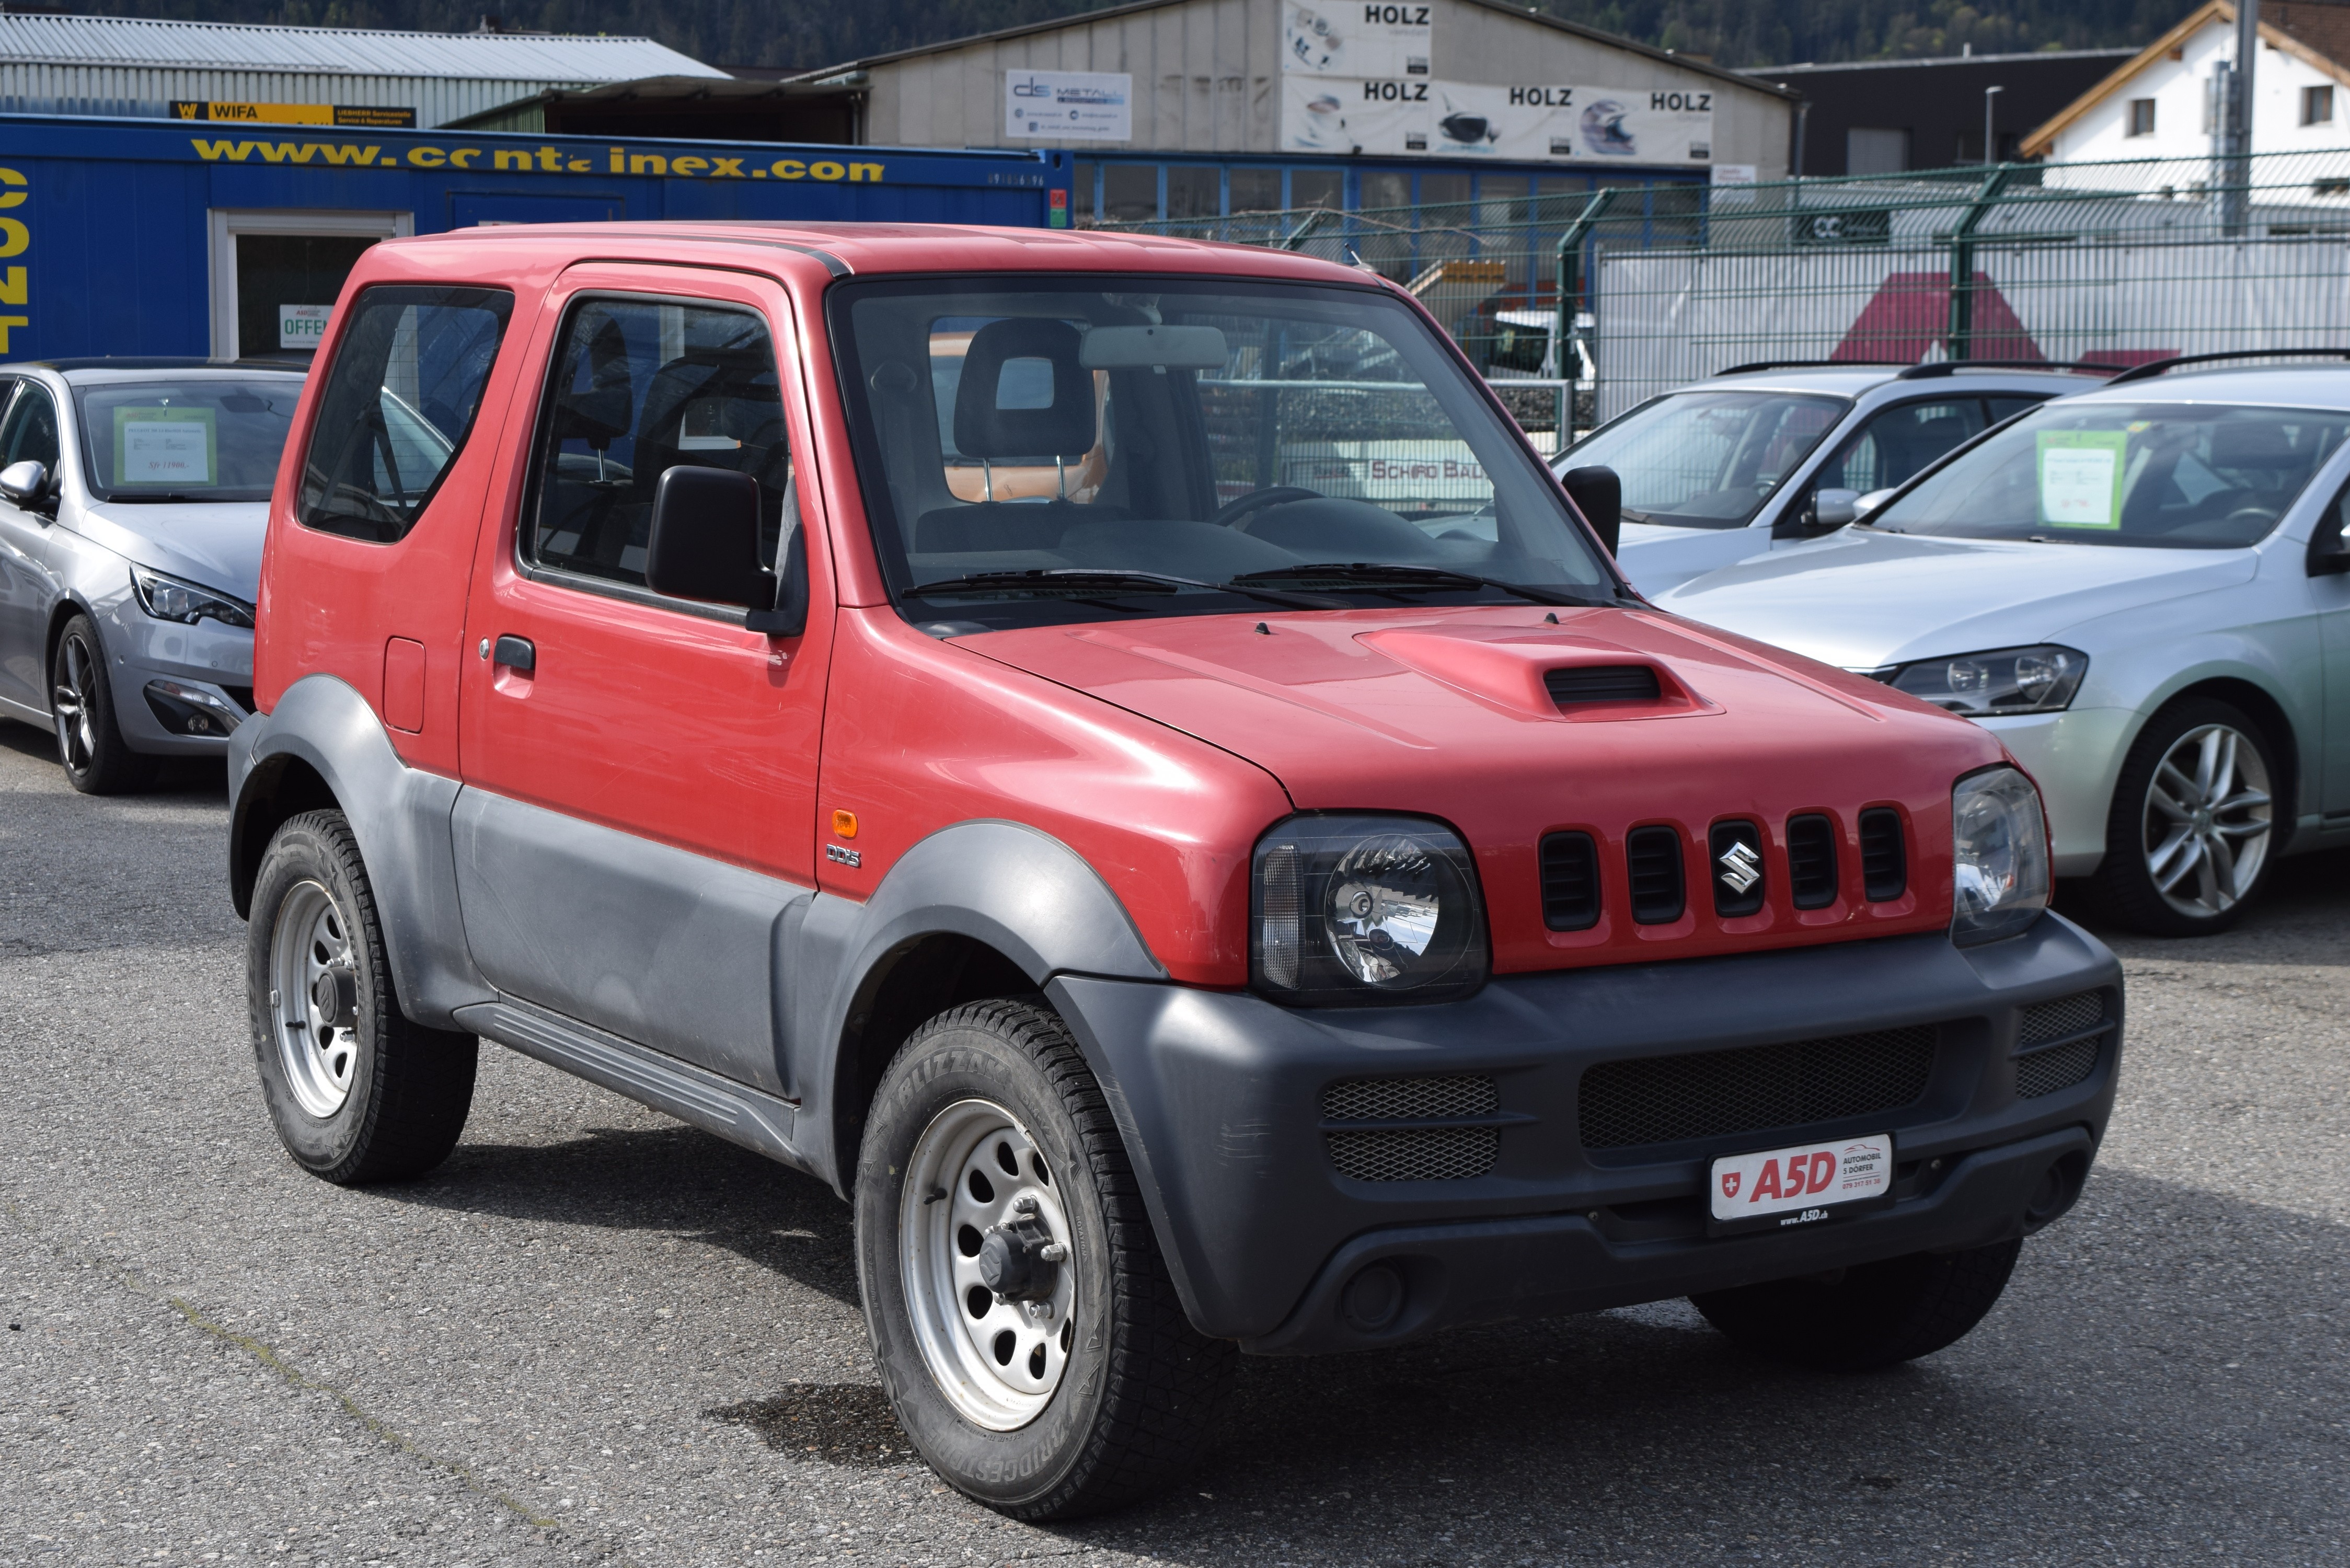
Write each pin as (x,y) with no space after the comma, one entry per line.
(1570,288)
(1963,260)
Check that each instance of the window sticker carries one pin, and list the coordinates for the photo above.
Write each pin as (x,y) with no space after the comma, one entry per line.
(165,446)
(2081,478)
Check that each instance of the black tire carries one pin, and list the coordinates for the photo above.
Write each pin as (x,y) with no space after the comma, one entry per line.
(1136,1400)
(2122,888)
(1867,1316)
(97,759)
(407,1088)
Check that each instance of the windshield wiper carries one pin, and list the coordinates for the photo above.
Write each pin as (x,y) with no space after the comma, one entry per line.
(1379,574)
(1075,579)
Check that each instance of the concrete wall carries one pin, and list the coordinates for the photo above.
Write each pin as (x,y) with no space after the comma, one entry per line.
(1207,79)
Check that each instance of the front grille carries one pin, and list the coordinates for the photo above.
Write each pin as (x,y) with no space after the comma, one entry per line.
(2056,1020)
(1601,683)
(1570,881)
(1418,1154)
(1652,857)
(1810,862)
(1411,1099)
(2058,1043)
(1413,1154)
(1884,857)
(1713,1094)
(2060,1067)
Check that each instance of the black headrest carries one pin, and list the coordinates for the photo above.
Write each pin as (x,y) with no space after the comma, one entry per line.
(597,416)
(1063,427)
(2249,445)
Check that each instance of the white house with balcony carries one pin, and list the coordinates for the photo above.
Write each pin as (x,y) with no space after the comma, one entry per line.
(2160,103)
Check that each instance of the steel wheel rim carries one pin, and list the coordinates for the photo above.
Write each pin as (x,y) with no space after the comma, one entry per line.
(314,998)
(998,1368)
(69,705)
(2208,821)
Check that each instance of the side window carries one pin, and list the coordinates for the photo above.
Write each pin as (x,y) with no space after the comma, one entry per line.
(401,397)
(641,387)
(2003,408)
(1892,447)
(29,434)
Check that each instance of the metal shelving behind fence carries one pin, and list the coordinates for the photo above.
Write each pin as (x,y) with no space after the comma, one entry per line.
(1649,287)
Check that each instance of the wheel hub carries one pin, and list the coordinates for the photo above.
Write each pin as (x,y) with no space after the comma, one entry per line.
(314,996)
(2207,821)
(981,1246)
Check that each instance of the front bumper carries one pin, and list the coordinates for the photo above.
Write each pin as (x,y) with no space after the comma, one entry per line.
(1218,1096)
(2075,758)
(179,689)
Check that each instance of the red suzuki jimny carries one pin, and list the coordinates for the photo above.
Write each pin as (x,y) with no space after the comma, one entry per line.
(1115,755)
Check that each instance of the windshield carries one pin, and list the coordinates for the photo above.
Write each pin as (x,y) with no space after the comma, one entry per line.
(197,440)
(2178,476)
(1041,450)
(1707,460)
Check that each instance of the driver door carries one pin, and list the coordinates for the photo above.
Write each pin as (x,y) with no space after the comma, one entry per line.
(27,586)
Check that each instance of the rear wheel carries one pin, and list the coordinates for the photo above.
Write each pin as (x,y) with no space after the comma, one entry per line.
(2189,839)
(1867,1316)
(359,1092)
(1025,1322)
(98,760)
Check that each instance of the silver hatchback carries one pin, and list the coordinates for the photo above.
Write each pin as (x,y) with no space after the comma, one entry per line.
(134,497)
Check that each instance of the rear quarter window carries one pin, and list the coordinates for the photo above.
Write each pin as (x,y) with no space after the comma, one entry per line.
(400,402)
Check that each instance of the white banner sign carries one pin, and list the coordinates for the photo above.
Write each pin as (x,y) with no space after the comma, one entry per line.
(1336,116)
(1519,124)
(1356,38)
(1069,106)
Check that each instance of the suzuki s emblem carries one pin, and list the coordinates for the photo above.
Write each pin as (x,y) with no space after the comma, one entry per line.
(1740,866)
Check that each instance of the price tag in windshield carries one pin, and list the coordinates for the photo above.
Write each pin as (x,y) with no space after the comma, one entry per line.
(2081,478)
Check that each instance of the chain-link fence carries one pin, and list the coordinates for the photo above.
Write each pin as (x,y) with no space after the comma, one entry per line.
(1633,290)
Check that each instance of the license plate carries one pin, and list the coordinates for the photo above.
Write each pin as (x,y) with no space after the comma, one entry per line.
(1782,1188)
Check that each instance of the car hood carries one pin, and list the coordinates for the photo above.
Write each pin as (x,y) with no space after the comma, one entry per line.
(1657,557)
(1447,713)
(1862,599)
(212,544)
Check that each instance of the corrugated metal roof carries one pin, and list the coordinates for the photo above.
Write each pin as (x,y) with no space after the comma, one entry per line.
(138,41)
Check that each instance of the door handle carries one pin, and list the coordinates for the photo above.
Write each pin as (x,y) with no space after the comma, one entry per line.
(515,653)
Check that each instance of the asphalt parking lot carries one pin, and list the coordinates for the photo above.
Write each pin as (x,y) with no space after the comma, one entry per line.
(599,1336)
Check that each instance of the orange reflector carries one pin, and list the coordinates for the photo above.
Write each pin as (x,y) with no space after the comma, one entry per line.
(844,823)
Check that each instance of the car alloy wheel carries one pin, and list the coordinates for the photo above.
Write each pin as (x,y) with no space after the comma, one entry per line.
(2207,821)
(314,999)
(69,703)
(984,1240)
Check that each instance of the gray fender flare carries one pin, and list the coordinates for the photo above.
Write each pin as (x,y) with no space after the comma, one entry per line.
(399,816)
(1021,892)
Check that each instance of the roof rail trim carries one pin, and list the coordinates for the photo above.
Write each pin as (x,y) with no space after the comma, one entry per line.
(1936,368)
(1812,365)
(2154,368)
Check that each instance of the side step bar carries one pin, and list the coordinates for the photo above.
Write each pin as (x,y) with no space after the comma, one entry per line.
(758,1121)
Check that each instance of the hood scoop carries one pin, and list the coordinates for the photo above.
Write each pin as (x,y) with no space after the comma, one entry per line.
(1557,676)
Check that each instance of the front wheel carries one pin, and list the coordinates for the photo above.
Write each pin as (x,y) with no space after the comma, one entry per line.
(358,1091)
(1867,1316)
(98,760)
(1026,1328)
(2193,822)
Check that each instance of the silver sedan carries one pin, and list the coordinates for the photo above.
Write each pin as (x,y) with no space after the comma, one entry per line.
(133,498)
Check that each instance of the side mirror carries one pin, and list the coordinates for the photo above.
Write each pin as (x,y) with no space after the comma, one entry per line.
(2329,547)
(23,482)
(1598,495)
(704,546)
(1833,508)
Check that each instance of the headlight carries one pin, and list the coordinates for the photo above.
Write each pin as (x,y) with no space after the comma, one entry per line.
(169,599)
(2000,838)
(2005,681)
(1345,910)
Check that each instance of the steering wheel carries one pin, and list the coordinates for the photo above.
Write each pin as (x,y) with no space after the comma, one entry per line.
(2248,516)
(1231,514)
